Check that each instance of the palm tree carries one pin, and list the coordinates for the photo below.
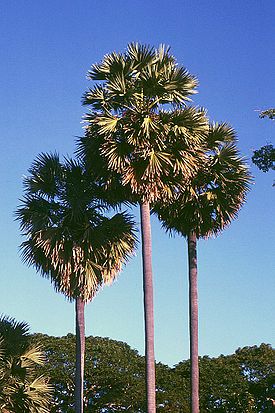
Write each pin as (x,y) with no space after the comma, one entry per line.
(70,241)
(203,208)
(21,388)
(134,141)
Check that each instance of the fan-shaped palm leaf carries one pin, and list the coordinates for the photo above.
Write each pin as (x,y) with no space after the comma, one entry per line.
(21,390)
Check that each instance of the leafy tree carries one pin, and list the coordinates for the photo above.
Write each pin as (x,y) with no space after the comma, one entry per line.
(114,377)
(257,366)
(133,141)
(264,158)
(204,207)
(241,382)
(21,388)
(70,241)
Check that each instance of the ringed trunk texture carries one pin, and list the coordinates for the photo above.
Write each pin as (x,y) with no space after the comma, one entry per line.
(148,306)
(193,321)
(80,354)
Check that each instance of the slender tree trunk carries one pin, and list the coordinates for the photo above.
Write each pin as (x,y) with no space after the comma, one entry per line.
(80,354)
(148,306)
(193,321)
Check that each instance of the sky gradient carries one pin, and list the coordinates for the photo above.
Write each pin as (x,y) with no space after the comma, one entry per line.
(46,49)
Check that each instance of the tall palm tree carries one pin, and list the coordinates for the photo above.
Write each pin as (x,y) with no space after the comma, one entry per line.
(70,241)
(202,208)
(21,388)
(134,141)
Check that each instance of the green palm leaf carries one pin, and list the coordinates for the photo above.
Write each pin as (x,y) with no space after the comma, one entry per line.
(67,233)
(213,197)
(21,389)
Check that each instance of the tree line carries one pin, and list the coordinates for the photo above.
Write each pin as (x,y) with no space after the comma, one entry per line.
(115,379)
(37,374)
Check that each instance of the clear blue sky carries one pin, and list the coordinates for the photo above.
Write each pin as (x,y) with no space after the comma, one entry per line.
(46,49)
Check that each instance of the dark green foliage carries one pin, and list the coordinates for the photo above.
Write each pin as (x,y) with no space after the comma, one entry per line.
(114,379)
(22,388)
(241,382)
(264,158)
(258,367)
(114,375)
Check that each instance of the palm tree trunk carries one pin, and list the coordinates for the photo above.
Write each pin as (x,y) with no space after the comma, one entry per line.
(148,306)
(80,354)
(193,321)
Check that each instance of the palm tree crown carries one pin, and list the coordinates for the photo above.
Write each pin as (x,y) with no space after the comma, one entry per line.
(130,131)
(69,239)
(211,200)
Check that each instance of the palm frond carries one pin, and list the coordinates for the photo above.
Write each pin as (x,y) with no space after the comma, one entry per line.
(45,171)
(211,199)
(140,55)
(67,234)
(21,390)
(32,356)
(219,133)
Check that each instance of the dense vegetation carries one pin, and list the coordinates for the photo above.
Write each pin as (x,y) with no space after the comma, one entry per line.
(22,388)
(114,379)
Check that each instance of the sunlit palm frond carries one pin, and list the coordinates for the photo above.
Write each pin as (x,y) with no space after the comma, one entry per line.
(140,77)
(107,124)
(190,123)
(32,356)
(179,85)
(140,56)
(21,390)
(111,64)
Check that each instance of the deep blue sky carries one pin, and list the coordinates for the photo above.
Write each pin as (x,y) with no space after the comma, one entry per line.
(46,49)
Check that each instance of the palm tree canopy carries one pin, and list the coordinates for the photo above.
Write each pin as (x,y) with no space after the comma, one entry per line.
(134,133)
(21,388)
(69,239)
(212,199)
(140,78)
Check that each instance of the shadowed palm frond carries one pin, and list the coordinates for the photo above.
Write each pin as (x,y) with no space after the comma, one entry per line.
(14,335)
(219,134)
(46,172)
